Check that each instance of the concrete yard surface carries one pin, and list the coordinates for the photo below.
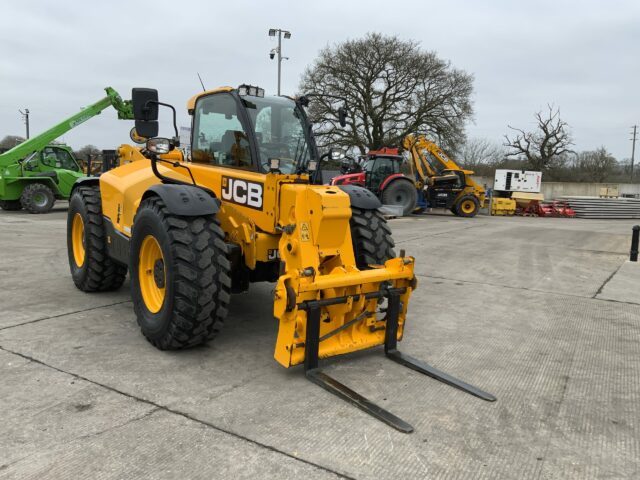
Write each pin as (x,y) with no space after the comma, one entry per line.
(544,313)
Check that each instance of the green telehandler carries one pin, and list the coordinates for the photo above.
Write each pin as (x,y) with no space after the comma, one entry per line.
(36,172)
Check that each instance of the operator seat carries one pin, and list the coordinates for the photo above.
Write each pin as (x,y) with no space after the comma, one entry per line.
(227,142)
(234,149)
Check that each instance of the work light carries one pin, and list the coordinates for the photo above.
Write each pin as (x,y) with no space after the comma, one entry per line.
(274,164)
(249,90)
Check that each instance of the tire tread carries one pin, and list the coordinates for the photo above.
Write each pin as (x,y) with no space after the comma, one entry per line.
(203,281)
(371,236)
(104,273)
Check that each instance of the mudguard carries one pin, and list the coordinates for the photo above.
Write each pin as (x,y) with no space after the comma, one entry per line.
(85,182)
(361,197)
(185,200)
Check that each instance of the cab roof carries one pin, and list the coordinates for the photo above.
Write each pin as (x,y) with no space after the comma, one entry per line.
(191,103)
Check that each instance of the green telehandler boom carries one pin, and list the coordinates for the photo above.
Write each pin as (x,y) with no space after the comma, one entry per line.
(36,172)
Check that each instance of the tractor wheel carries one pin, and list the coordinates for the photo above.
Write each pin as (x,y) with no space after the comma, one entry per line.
(10,205)
(37,198)
(371,237)
(180,276)
(402,193)
(91,267)
(467,206)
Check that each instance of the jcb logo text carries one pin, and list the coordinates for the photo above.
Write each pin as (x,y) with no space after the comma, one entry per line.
(242,192)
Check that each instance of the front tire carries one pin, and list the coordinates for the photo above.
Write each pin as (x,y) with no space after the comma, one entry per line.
(37,198)
(467,206)
(402,193)
(371,237)
(10,205)
(180,276)
(91,267)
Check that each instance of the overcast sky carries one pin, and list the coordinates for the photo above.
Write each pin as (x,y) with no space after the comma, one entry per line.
(582,56)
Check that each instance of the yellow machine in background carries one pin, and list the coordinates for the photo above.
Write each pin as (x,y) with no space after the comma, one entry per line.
(447,185)
(244,210)
(128,153)
(503,206)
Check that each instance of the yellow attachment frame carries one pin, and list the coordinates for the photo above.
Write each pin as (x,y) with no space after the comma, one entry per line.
(316,248)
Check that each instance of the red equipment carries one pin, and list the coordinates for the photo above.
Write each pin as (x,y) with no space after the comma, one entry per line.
(381,173)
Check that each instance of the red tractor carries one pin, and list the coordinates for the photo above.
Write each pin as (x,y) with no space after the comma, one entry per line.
(380,171)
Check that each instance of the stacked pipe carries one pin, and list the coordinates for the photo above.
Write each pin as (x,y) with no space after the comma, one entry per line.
(595,207)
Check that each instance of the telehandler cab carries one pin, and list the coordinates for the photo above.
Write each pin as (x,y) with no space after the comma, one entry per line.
(244,210)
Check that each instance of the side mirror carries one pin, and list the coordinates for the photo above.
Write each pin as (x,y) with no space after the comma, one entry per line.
(145,111)
(159,145)
(137,138)
(336,154)
(342,116)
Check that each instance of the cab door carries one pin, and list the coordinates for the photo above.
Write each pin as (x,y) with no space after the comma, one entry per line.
(60,161)
(378,170)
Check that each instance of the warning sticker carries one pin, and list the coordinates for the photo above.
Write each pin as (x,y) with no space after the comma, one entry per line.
(304,232)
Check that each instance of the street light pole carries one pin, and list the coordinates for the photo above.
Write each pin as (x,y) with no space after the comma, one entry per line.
(278,50)
(279,58)
(633,149)
(25,117)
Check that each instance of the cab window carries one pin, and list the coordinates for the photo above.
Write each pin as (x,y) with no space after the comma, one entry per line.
(279,132)
(218,135)
(58,158)
(435,164)
(379,170)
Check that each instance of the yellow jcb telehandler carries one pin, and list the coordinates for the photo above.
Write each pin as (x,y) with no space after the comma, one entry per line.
(244,210)
(447,185)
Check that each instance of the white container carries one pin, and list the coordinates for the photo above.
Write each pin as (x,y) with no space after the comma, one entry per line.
(517,181)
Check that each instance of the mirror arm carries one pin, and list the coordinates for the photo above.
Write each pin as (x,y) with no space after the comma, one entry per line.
(154,167)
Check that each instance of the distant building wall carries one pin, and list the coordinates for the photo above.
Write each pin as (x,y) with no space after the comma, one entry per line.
(552,190)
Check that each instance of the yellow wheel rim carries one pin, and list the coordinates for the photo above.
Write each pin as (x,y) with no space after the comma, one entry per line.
(468,206)
(77,239)
(151,274)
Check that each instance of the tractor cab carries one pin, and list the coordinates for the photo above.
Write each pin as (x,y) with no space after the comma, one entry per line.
(378,166)
(383,172)
(51,157)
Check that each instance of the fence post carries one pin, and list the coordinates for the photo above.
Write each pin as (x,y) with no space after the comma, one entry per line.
(635,236)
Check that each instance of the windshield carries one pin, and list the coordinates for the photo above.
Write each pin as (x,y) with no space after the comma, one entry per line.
(58,158)
(280,132)
(436,165)
(367,166)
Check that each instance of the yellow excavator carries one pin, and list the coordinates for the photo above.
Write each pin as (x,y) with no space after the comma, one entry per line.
(440,181)
(245,210)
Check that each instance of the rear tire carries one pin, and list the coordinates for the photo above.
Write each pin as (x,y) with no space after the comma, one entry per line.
(402,193)
(180,276)
(371,237)
(10,205)
(467,206)
(37,198)
(91,267)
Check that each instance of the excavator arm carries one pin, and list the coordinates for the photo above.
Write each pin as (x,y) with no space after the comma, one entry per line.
(419,147)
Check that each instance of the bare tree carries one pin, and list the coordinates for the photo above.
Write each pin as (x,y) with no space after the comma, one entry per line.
(392,88)
(10,141)
(549,143)
(479,152)
(84,152)
(596,165)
